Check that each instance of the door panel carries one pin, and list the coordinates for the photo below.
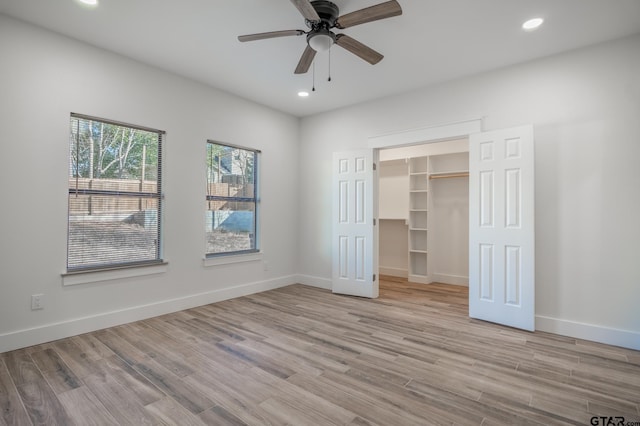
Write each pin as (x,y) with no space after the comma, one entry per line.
(354,236)
(486,272)
(486,199)
(501,228)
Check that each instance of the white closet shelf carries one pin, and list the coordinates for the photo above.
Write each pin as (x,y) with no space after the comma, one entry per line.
(419,190)
(419,251)
(418,229)
(418,210)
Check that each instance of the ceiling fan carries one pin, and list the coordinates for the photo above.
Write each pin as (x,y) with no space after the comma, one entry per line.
(321,16)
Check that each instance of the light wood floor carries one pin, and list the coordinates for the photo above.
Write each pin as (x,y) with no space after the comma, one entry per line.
(303,356)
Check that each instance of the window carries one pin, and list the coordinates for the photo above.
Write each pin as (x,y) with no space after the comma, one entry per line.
(231,199)
(115,203)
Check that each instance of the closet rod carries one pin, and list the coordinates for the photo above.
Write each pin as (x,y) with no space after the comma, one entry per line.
(449,175)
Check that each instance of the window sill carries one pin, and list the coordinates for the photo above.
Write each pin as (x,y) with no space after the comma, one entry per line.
(226,260)
(88,277)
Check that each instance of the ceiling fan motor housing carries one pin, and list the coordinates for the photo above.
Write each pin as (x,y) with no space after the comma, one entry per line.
(328,12)
(320,38)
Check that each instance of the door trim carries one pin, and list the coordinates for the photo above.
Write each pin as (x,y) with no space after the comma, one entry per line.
(426,135)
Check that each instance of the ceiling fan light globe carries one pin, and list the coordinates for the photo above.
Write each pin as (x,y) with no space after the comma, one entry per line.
(321,42)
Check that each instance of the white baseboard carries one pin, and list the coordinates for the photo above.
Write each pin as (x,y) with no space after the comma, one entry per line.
(450,279)
(595,333)
(50,332)
(394,272)
(314,281)
(46,333)
(420,279)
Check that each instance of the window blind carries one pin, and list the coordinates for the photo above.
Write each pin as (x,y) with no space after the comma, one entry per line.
(115,194)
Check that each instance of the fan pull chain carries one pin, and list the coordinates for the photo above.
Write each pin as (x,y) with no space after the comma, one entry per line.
(329,79)
(313,88)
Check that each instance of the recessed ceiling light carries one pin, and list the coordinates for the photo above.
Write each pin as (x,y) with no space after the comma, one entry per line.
(532,24)
(89,2)
(303,94)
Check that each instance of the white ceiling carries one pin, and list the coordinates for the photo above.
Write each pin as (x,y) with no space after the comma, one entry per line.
(433,41)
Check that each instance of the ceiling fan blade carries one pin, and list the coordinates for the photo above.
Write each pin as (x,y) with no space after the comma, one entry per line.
(358,49)
(306,9)
(271,34)
(305,60)
(369,14)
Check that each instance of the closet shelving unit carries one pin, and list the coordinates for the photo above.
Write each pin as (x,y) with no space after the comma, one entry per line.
(418,219)
(429,245)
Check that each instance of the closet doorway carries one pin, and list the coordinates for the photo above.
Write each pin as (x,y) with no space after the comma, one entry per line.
(423,208)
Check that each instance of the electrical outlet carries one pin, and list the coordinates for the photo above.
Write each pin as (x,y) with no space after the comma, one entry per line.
(37,301)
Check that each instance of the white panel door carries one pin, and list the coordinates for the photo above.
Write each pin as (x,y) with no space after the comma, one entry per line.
(354,236)
(501,227)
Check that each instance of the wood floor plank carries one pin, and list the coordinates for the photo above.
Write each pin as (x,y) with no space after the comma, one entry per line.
(232,394)
(85,409)
(120,347)
(172,385)
(216,359)
(42,404)
(12,411)
(267,387)
(218,415)
(74,357)
(172,346)
(571,410)
(302,355)
(358,400)
(121,402)
(303,401)
(162,350)
(293,360)
(171,412)
(524,413)
(60,377)
(39,400)
(226,328)
(91,347)
(21,367)
(465,404)
(272,366)
(126,376)
(421,405)
(288,413)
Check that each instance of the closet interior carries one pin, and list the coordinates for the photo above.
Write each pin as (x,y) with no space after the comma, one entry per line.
(424,212)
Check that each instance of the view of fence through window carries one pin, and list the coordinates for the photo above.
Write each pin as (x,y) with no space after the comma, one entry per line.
(114,194)
(231,199)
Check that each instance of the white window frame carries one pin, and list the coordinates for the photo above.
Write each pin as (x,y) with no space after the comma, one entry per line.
(254,253)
